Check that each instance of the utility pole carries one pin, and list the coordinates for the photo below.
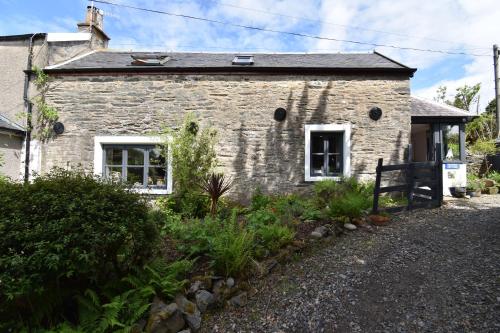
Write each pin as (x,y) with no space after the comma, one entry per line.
(497,93)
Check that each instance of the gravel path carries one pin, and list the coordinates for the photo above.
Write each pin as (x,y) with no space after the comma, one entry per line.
(428,271)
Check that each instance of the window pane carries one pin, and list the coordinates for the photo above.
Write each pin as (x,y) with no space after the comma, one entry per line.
(317,145)
(451,142)
(114,156)
(317,165)
(135,156)
(114,173)
(156,177)
(334,164)
(155,157)
(335,143)
(135,176)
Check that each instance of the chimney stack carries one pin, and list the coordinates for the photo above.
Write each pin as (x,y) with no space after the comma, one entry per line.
(94,23)
(94,16)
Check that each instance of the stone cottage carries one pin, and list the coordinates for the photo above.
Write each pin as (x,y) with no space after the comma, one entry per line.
(284,120)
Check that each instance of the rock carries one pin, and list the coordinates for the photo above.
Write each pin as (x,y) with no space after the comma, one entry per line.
(379,219)
(319,232)
(230,282)
(185,306)
(193,289)
(239,300)
(204,299)
(138,327)
(350,226)
(193,321)
(300,244)
(220,290)
(185,331)
(488,183)
(491,190)
(164,318)
(205,282)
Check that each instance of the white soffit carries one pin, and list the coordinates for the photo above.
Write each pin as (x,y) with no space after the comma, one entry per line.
(68,36)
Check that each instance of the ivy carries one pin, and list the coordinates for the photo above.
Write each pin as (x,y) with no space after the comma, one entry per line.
(47,115)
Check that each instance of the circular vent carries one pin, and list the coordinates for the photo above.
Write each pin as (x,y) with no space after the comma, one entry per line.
(375,113)
(279,114)
(58,128)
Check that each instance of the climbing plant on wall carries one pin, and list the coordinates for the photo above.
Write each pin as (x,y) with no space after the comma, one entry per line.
(46,115)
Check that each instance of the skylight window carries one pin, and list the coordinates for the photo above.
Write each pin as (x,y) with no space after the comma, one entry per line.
(243,60)
(149,60)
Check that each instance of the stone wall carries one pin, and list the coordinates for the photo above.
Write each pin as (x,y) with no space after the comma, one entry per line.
(10,155)
(254,149)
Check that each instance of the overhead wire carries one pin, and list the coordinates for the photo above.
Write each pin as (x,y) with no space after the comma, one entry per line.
(295,34)
(476,47)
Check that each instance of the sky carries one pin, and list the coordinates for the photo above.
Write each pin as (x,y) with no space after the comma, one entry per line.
(457,26)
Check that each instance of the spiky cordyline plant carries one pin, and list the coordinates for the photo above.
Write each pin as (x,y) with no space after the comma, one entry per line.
(216,184)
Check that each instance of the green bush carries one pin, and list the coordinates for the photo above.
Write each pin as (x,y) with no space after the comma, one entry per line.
(274,236)
(193,158)
(120,305)
(259,200)
(232,249)
(351,204)
(495,176)
(62,234)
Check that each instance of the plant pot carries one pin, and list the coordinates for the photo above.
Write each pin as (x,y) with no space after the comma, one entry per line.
(379,219)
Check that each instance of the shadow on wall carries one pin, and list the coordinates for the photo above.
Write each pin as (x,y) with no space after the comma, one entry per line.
(273,161)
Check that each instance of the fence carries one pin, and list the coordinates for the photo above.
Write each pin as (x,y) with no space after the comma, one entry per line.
(423,183)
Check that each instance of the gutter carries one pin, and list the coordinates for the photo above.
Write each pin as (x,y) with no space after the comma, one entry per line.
(227,70)
(28,106)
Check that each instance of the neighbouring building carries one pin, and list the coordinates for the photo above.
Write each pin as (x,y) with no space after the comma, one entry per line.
(19,54)
(284,120)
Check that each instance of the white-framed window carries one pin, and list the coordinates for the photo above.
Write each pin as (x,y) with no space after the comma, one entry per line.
(327,151)
(136,160)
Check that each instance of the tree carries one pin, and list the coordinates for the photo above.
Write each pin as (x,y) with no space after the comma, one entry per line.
(441,93)
(491,107)
(466,96)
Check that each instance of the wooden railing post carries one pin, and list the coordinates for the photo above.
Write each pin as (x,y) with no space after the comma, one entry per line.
(376,190)
(439,175)
(410,182)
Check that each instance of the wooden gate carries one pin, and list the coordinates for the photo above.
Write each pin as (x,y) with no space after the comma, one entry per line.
(423,183)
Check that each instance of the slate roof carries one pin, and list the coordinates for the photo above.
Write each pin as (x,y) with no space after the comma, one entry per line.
(424,108)
(8,125)
(121,61)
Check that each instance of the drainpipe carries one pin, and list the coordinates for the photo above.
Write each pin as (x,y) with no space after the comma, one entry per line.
(28,106)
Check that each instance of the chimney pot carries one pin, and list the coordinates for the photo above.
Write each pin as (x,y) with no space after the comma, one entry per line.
(94,17)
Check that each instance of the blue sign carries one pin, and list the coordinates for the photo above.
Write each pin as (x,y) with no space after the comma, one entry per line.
(451,166)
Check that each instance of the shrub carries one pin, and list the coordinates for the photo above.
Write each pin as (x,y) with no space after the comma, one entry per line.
(232,249)
(120,306)
(262,216)
(193,158)
(483,147)
(215,185)
(495,176)
(259,200)
(274,236)
(324,190)
(62,234)
(351,205)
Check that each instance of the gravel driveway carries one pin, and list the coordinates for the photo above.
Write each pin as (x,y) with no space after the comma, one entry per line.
(428,271)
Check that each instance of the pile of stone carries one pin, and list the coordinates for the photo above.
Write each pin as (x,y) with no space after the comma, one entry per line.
(185,313)
(490,187)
